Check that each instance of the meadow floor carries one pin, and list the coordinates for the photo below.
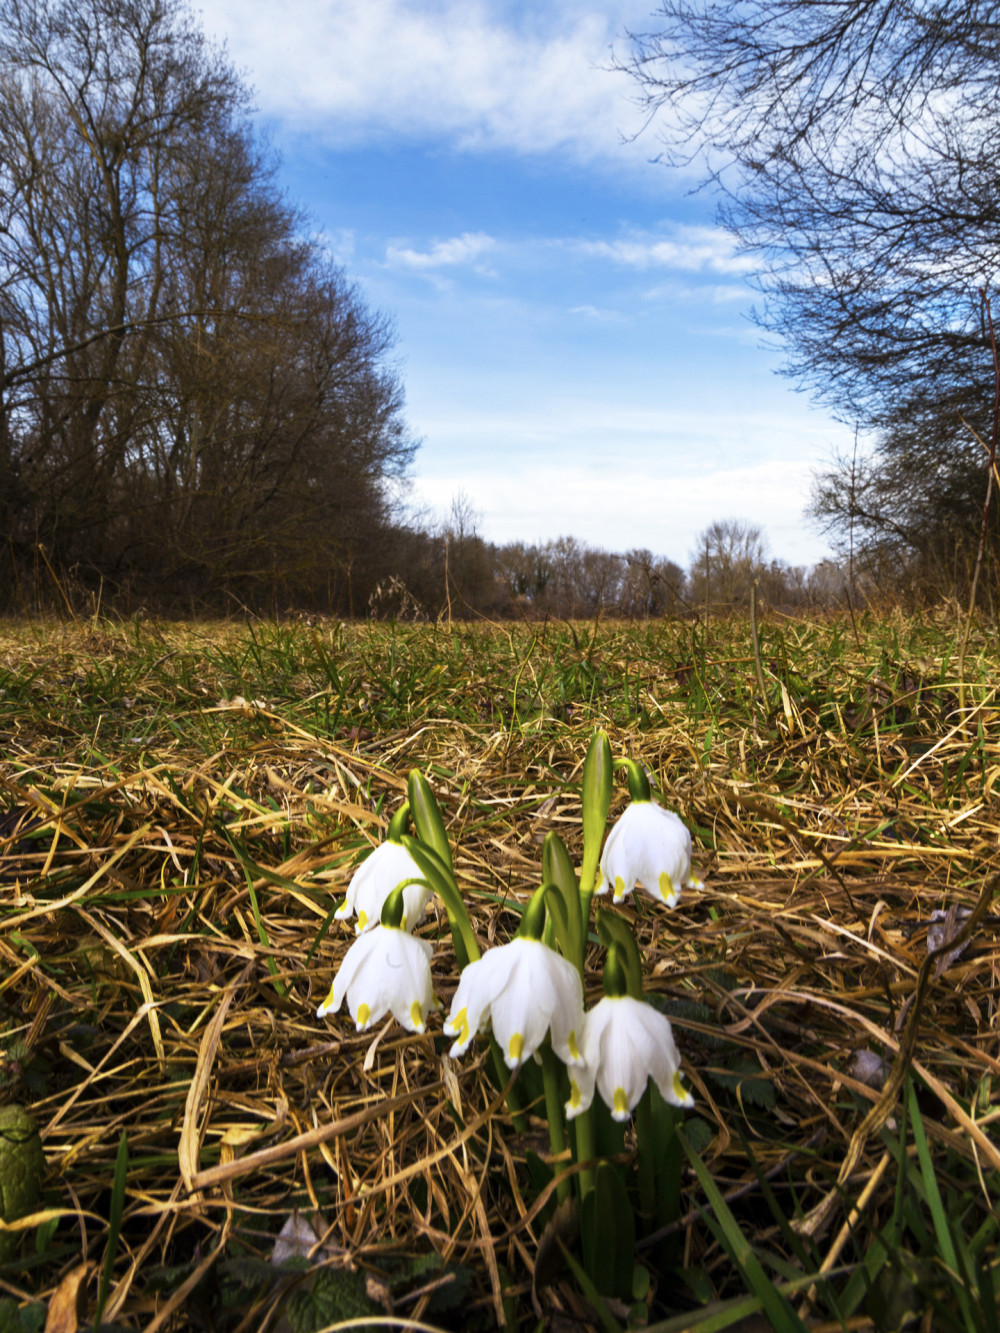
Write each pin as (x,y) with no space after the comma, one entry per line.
(181,809)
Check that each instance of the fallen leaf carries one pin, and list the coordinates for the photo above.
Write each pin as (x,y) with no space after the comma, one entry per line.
(64,1303)
(299,1237)
(942,930)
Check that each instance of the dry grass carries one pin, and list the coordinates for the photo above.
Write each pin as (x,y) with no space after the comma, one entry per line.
(185,805)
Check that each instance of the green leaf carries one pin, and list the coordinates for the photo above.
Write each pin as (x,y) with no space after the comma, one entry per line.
(783,1318)
(557,870)
(442,881)
(608,1321)
(22,1167)
(942,1228)
(614,929)
(21,1319)
(427,818)
(597,782)
(332,1296)
(114,1224)
(607,1226)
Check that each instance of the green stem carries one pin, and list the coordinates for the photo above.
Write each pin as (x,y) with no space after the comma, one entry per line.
(554,1111)
(462,934)
(584,1128)
(646,1158)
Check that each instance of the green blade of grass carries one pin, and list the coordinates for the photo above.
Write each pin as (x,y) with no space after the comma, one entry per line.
(114,1225)
(783,1318)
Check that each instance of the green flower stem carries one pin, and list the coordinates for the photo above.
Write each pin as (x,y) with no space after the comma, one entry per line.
(441,881)
(638,783)
(583,1126)
(646,1158)
(398,823)
(554,1111)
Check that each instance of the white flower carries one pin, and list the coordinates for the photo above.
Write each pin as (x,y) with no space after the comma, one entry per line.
(625,1042)
(389,864)
(650,846)
(385,970)
(526,989)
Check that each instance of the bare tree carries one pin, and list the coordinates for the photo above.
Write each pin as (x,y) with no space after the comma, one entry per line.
(853,143)
(728,556)
(192,394)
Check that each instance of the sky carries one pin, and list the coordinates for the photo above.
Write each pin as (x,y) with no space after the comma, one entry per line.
(573,328)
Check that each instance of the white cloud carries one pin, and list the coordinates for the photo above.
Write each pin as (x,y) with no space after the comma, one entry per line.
(719,293)
(695,249)
(464,249)
(482,73)
(619,475)
(597,315)
(605,507)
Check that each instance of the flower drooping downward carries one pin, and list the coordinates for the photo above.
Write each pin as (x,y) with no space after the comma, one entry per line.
(625,1043)
(525,989)
(389,864)
(386,970)
(648,846)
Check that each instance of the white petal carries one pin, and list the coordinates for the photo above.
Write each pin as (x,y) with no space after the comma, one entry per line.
(405,978)
(521,1010)
(388,865)
(651,846)
(352,961)
(581,1091)
(470,1007)
(626,1042)
(625,1056)
(385,970)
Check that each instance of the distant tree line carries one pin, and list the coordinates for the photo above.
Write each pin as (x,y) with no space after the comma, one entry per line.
(454,571)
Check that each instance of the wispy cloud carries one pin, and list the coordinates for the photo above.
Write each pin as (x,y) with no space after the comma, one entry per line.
(598,315)
(459,250)
(693,249)
(481,73)
(719,293)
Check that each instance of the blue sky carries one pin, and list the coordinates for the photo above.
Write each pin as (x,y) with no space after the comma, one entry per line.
(572,326)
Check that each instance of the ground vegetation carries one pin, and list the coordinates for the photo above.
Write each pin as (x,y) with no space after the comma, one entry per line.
(181,810)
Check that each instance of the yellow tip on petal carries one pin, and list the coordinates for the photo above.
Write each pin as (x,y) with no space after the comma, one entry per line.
(326,1006)
(362,922)
(619,888)
(458,1026)
(417,1015)
(574,1094)
(514,1048)
(574,1050)
(680,1092)
(620,1107)
(667,892)
(362,1017)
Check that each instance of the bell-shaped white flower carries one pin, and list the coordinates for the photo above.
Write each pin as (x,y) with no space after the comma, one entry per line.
(389,864)
(386,970)
(525,989)
(649,846)
(625,1042)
